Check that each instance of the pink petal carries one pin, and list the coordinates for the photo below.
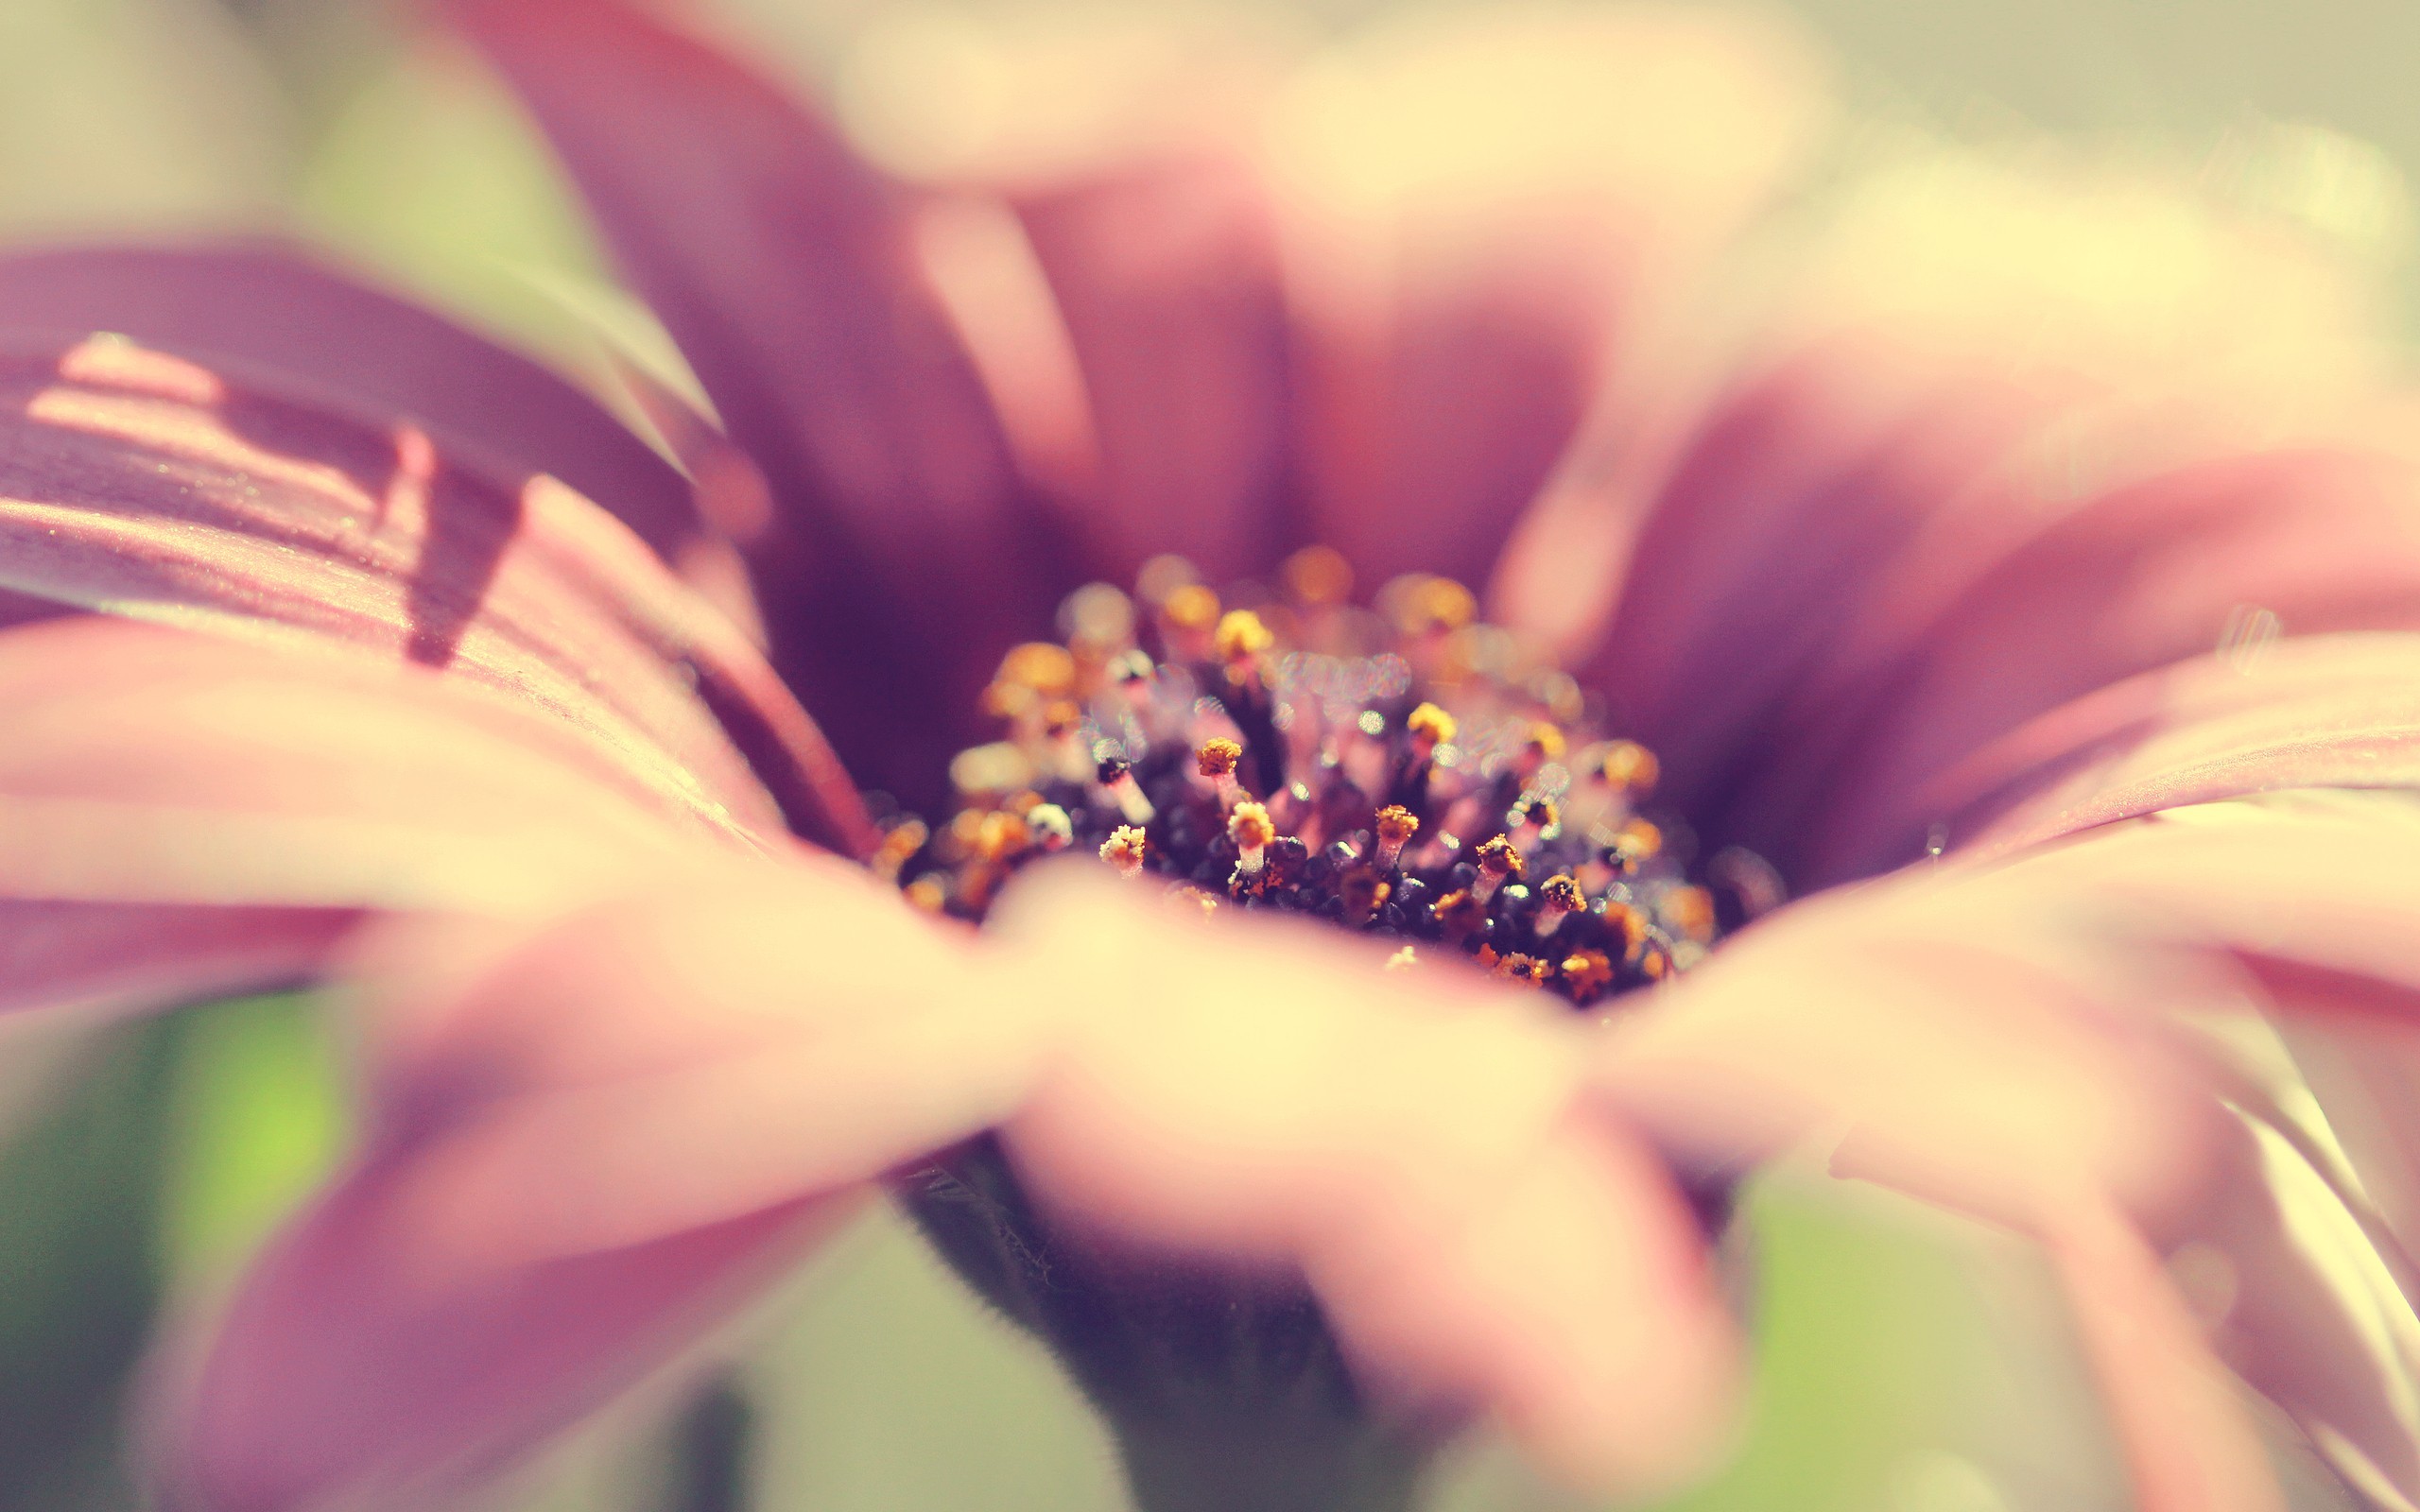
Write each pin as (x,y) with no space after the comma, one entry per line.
(104,957)
(183,815)
(2013,1041)
(566,1183)
(907,551)
(273,313)
(1411,1141)
(2324,710)
(140,484)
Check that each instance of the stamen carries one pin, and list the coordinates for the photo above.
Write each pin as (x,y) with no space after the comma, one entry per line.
(1534,819)
(1498,863)
(1396,825)
(1216,760)
(1241,640)
(1311,760)
(1585,974)
(1117,779)
(1188,617)
(1558,898)
(1051,830)
(1125,850)
(1629,768)
(1251,829)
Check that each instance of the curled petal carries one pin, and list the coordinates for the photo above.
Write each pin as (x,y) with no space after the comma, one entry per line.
(1475,1234)
(904,547)
(564,1183)
(138,484)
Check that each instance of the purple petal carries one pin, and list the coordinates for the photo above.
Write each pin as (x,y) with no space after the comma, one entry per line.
(906,550)
(1167,274)
(139,483)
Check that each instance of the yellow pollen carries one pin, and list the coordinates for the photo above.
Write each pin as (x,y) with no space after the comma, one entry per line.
(1042,665)
(1316,577)
(1124,849)
(1632,925)
(1630,768)
(1397,824)
(900,842)
(1403,960)
(1250,827)
(1459,914)
(1218,757)
(1241,635)
(1431,724)
(1434,605)
(1640,840)
(1545,741)
(1498,859)
(1190,607)
(1519,968)
(1689,910)
(1588,972)
(1000,835)
(1563,895)
(928,894)
(1364,893)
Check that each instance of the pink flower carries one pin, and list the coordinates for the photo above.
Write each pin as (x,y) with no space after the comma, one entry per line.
(1932,562)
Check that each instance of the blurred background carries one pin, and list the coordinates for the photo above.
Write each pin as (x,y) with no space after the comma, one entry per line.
(1909,1365)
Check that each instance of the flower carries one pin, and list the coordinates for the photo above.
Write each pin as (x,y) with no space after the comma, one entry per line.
(1932,563)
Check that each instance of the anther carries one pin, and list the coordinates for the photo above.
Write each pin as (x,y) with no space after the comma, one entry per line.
(899,843)
(1527,968)
(1117,779)
(1532,819)
(1052,831)
(1240,638)
(1498,863)
(1250,829)
(1363,892)
(1429,727)
(1459,914)
(1188,617)
(1316,577)
(1586,973)
(1688,912)
(1216,760)
(1558,898)
(1124,849)
(1543,744)
(1629,768)
(1396,825)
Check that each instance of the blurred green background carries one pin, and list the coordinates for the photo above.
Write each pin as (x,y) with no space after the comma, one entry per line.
(1909,1365)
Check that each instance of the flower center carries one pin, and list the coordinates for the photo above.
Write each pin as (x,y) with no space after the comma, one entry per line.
(1403,769)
